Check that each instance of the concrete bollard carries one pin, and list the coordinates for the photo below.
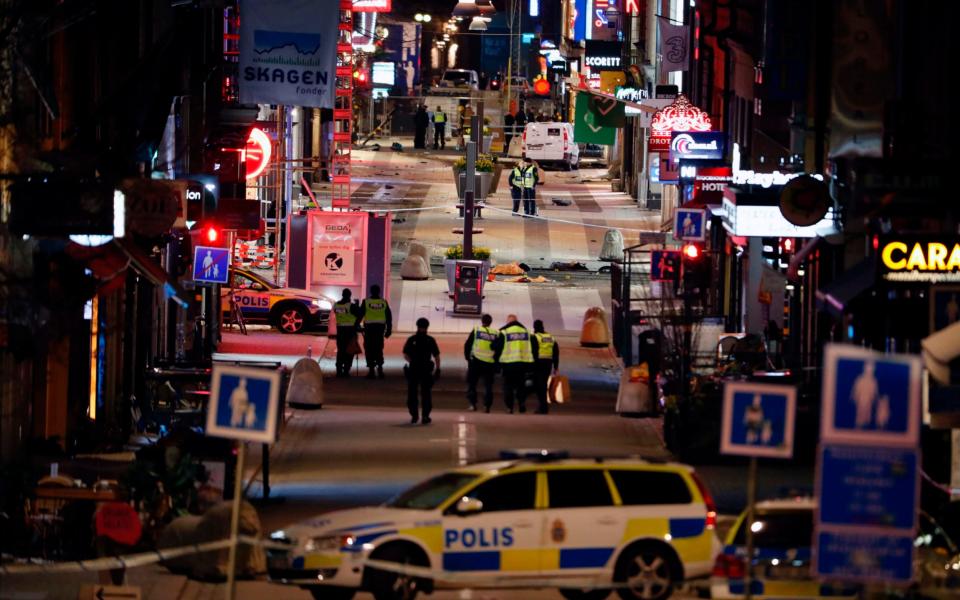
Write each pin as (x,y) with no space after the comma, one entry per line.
(633,396)
(418,249)
(414,268)
(612,248)
(306,384)
(594,333)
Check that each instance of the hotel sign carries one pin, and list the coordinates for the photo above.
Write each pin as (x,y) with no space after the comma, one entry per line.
(920,260)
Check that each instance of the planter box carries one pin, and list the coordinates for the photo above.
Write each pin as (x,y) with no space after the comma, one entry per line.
(450,270)
(484,180)
(497,171)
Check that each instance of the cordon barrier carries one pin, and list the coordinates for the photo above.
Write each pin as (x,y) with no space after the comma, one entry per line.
(246,254)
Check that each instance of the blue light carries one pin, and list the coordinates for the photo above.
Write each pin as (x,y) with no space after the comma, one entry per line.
(534,8)
(526,38)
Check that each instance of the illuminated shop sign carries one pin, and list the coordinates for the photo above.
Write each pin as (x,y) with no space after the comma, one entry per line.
(603,56)
(912,260)
(698,144)
(751,220)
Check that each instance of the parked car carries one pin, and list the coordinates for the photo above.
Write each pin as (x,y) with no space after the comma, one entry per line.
(460,78)
(783,539)
(588,522)
(551,143)
(290,310)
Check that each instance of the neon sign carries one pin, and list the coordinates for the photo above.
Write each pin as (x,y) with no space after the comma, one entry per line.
(256,154)
(920,261)
(680,116)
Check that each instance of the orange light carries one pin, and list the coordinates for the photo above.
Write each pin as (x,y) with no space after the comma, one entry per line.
(691,251)
(541,87)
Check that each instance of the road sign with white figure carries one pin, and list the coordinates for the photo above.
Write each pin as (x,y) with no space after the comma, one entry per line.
(243,403)
(758,419)
(870,397)
(690,224)
(210,265)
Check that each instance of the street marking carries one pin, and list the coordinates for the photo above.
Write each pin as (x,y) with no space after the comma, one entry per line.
(466,442)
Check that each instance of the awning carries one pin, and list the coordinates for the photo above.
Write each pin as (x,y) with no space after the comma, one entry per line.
(147,267)
(835,296)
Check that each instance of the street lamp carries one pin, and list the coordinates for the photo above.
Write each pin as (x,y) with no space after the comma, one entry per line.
(422,18)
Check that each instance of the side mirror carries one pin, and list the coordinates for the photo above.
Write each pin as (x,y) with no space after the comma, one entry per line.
(469,506)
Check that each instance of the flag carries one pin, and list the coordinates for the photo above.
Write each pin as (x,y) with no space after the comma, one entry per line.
(607,111)
(586,129)
(674,46)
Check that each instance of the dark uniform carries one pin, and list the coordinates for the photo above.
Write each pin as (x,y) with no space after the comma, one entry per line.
(548,362)
(420,349)
(479,353)
(516,351)
(377,325)
(346,314)
(439,129)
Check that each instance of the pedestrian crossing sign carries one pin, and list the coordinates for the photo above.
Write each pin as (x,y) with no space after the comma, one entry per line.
(211,265)
(244,402)
(869,397)
(758,419)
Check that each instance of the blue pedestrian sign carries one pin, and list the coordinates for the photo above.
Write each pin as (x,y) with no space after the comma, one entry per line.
(758,419)
(689,224)
(870,397)
(872,487)
(211,265)
(243,403)
(665,265)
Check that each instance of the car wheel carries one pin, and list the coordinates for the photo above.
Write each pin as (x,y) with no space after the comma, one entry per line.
(648,572)
(390,585)
(291,319)
(329,592)
(584,594)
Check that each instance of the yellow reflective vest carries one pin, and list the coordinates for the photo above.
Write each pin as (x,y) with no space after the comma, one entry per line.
(344,316)
(439,117)
(483,339)
(529,178)
(516,345)
(375,310)
(546,342)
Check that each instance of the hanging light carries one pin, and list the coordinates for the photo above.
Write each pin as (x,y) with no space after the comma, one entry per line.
(486,7)
(466,8)
(478,24)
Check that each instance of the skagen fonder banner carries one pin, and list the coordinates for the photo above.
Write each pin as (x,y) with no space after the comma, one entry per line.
(288,52)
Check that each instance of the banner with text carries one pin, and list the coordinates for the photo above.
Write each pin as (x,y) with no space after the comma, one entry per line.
(288,52)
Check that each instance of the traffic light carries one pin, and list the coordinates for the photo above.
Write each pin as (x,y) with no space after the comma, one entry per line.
(787,246)
(211,234)
(696,270)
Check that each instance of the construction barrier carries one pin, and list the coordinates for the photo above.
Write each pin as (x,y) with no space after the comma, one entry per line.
(247,255)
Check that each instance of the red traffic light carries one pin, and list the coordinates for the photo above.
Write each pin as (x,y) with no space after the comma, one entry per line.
(691,251)
(786,245)
(211,234)
(541,87)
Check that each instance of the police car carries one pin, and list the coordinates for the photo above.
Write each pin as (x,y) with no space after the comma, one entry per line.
(585,526)
(288,309)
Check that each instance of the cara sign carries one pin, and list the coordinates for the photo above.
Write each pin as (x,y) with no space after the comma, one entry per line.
(911,260)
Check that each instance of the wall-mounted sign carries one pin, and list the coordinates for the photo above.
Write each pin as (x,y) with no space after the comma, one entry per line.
(659,143)
(603,56)
(912,259)
(256,154)
(709,184)
(384,73)
(765,220)
(372,5)
(680,115)
(697,144)
(610,81)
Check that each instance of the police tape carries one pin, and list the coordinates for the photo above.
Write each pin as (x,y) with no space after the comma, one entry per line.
(130,561)
(571,222)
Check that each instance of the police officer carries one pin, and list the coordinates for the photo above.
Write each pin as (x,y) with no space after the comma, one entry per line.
(346,313)
(548,362)
(516,186)
(516,351)
(439,129)
(478,351)
(377,325)
(418,351)
(531,176)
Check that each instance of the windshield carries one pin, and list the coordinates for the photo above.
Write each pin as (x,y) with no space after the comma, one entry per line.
(431,493)
(457,76)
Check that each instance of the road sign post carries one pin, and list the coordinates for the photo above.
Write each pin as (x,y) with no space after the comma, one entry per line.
(211,264)
(868,466)
(690,224)
(758,420)
(244,406)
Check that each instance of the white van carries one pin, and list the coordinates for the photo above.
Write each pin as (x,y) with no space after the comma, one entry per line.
(551,143)
(460,78)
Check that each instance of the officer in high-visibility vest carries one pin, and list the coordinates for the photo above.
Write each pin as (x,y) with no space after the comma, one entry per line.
(516,351)
(345,313)
(439,129)
(548,362)
(479,353)
(531,176)
(516,186)
(377,324)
